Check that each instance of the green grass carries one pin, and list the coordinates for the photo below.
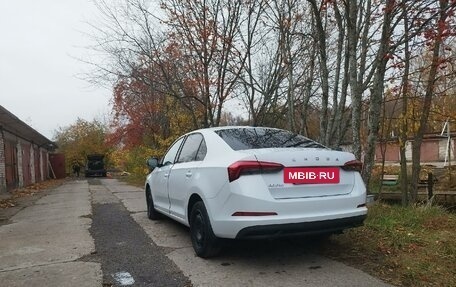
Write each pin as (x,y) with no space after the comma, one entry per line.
(406,246)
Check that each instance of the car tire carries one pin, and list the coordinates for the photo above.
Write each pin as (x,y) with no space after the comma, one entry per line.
(204,241)
(152,213)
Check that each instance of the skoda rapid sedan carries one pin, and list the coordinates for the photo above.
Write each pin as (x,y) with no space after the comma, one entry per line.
(252,183)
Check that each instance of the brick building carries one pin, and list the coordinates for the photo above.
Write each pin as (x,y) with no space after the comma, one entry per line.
(435,149)
(24,153)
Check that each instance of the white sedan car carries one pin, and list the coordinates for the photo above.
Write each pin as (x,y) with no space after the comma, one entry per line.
(254,182)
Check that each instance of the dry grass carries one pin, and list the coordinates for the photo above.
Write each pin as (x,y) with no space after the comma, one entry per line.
(412,246)
(133,179)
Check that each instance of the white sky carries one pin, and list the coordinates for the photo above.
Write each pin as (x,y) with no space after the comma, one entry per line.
(39,41)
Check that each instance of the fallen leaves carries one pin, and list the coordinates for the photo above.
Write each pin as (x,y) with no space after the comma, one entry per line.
(28,191)
(7,203)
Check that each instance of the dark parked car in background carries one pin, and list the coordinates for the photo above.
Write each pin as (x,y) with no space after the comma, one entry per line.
(95,165)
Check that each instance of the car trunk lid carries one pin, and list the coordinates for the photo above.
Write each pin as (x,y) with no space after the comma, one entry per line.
(306,166)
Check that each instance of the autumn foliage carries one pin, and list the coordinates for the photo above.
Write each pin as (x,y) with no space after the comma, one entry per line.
(80,139)
(330,70)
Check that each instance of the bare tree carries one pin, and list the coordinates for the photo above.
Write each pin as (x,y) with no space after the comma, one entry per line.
(437,41)
(206,32)
(312,66)
(404,112)
(376,91)
(263,72)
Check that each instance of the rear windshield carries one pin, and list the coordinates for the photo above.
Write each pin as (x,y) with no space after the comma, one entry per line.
(253,138)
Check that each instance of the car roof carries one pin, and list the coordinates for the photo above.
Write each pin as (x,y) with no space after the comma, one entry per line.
(230,127)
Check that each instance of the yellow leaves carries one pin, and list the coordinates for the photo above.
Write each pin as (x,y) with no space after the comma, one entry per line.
(442,108)
(80,139)
(133,160)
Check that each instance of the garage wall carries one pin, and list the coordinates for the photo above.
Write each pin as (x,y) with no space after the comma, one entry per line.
(43,165)
(11,170)
(57,162)
(2,164)
(22,163)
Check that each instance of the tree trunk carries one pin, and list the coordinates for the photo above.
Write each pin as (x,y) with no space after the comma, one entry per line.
(430,87)
(324,73)
(376,92)
(404,122)
(352,12)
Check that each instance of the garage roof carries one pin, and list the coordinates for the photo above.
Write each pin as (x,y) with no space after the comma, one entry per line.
(12,124)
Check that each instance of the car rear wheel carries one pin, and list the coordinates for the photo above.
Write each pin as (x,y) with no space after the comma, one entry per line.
(151,212)
(204,241)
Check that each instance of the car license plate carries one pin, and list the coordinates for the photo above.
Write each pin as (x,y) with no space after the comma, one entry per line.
(312,175)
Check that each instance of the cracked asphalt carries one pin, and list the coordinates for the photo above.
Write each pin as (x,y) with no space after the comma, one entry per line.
(122,247)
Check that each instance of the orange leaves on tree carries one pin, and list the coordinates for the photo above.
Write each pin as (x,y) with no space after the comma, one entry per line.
(136,110)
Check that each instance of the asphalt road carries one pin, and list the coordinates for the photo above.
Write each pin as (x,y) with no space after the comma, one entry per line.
(96,233)
(127,255)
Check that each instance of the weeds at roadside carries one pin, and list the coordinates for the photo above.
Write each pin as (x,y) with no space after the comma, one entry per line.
(134,179)
(405,246)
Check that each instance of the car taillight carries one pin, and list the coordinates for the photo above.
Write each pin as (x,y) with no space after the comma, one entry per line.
(353,165)
(251,167)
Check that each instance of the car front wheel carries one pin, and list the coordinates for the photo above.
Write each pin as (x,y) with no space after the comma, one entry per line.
(151,212)
(204,241)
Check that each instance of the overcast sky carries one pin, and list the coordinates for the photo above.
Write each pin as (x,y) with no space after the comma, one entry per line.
(39,41)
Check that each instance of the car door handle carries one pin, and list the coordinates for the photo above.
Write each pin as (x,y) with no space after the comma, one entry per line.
(166,175)
(188,174)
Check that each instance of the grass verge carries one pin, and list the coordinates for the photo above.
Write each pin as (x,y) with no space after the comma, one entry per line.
(133,179)
(405,246)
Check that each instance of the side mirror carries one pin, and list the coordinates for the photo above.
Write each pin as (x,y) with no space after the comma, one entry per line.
(152,163)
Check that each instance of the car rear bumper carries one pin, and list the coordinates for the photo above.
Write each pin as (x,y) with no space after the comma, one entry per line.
(302,228)
(287,216)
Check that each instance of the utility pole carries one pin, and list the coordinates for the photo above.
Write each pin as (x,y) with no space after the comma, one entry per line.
(448,150)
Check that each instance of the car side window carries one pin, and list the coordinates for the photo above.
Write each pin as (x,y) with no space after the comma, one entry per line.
(190,149)
(172,152)
(201,151)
